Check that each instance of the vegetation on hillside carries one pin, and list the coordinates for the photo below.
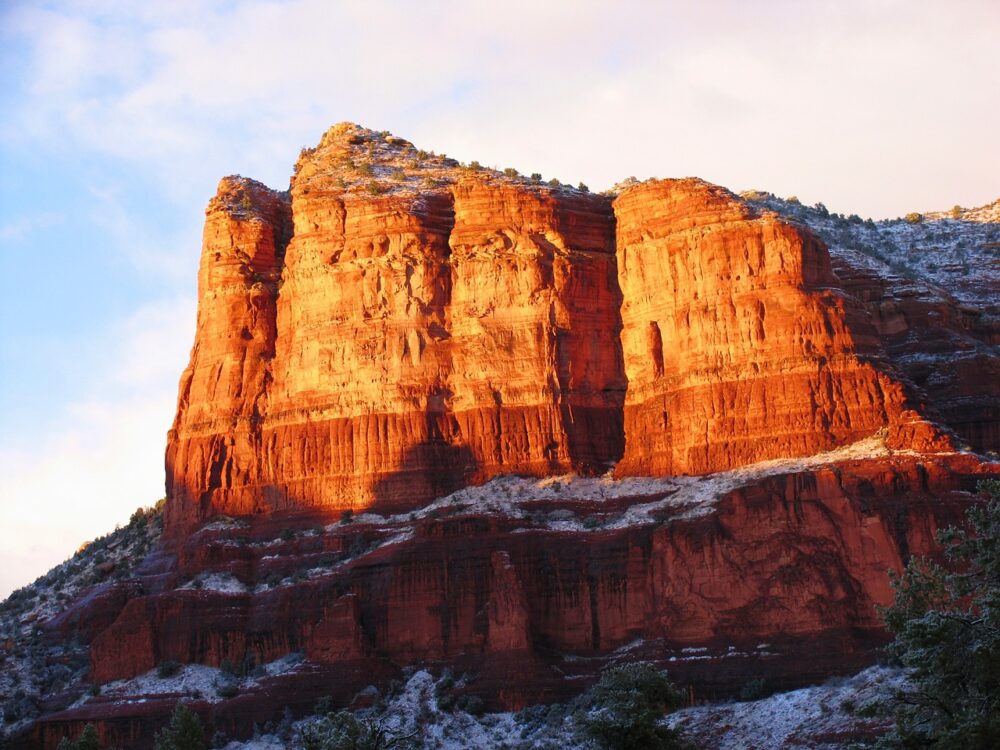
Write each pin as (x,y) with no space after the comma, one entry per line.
(947,628)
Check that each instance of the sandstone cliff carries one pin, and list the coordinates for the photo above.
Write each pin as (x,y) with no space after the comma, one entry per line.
(426,327)
(530,586)
(460,356)
(739,344)
(398,326)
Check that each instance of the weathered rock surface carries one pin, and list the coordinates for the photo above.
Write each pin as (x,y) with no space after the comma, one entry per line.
(780,575)
(932,289)
(414,327)
(407,342)
(739,346)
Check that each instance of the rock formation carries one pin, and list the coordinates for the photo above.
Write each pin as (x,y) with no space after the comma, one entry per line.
(448,417)
(417,326)
(739,344)
(532,593)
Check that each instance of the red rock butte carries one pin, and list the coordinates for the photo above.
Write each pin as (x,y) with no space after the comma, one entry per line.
(397,326)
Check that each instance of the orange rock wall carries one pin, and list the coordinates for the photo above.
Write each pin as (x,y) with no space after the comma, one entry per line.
(216,436)
(417,343)
(738,344)
(380,349)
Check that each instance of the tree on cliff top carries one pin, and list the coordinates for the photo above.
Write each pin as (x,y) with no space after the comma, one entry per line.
(947,628)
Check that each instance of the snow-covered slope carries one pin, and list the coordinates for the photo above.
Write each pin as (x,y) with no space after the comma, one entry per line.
(956,252)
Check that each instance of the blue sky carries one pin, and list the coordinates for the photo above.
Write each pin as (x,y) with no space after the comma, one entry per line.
(118,119)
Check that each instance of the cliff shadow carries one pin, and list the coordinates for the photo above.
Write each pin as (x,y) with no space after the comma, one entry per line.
(432,468)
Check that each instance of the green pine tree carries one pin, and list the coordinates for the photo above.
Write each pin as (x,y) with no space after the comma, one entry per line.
(183,732)
(947,628)
(88,740)
(627,705)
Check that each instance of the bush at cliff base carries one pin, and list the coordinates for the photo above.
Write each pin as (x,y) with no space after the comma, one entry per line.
(344,731)
(627,705)
(88,740)
(183,732)
(947,628)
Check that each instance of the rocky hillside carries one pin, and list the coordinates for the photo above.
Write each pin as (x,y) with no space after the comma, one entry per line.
(444,420)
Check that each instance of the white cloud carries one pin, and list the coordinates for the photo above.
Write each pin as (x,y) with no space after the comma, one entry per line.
(24,225)
(105,456)
(841,102)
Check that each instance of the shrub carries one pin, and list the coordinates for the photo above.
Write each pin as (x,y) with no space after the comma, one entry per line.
(583,187)
(227,689)
(754,690)
(510,172)
(343,731)
(471,704)
(536,176)
(793,199)
(947,628)
(956,211)
(374,188)
(914,217)
(475,166)
(554,182)
(366,169)
(88,740)
(398,175)
(167,668)
(346,516)
(628,702)
(184,731)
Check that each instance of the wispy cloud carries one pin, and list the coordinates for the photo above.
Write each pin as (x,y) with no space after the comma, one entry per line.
(841,101)
(25,225)
(103,456)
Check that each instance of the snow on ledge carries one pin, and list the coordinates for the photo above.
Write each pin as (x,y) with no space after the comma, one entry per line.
(683,496)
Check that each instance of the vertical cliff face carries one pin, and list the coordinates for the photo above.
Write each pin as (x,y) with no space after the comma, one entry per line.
(428,326)
(738,344)
(216,433)
(398,326)
(537,377)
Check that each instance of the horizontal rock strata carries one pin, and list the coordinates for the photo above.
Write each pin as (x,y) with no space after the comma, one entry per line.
(397,326)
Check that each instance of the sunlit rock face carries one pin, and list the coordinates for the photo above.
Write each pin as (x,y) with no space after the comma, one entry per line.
(397,326)
(400,336)
(739,345)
